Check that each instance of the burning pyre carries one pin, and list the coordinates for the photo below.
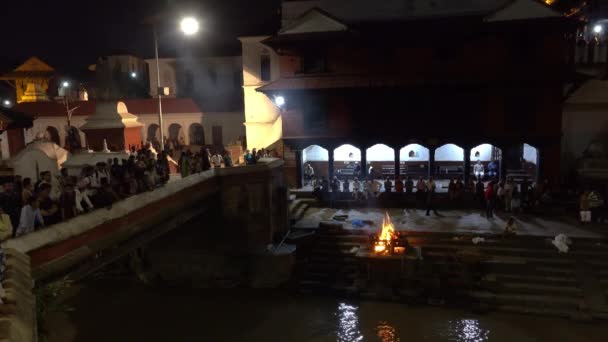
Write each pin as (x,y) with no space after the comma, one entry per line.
(389,241)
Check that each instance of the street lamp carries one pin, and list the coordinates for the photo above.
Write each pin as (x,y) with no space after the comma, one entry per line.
(65,84)
(189,26)
(598,29)
(279,101)
(7,103)
(133,74)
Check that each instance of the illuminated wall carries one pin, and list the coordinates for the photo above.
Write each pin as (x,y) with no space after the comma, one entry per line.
(380,152)
(315,153)
(485,152)
(343,152)
(449,152)
(421,153)
(530,154)
(263,123)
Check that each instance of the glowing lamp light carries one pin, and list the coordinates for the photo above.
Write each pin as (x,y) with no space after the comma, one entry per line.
(65,84)
(279,101)
(189,26)
(7,103)
(598,28)
(133,74)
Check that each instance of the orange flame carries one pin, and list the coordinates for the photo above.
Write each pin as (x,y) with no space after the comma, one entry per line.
(387,234)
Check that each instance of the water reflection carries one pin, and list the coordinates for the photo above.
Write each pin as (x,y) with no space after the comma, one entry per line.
(387,333)
(465,330)
(348,323)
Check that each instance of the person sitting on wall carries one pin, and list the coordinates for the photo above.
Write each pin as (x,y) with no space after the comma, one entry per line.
(459,188)
(478,170)
(399,185)
(227,159)
(388,185)
(309,172)
(493,169)
(30,217)
(356,189)
(409,185)
(346,185)
(357,169)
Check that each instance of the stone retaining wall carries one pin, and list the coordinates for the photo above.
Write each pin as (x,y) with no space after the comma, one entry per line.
(18,308)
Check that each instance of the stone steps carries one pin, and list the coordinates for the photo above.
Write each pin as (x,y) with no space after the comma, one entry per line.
(535,301)
(533,279)
(527,288)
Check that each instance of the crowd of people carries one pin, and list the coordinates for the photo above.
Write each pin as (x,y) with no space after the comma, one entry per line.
(252,157)
(27,204)
(191,163)
(506,194)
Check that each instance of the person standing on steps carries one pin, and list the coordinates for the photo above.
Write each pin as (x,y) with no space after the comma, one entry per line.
(490,196)
(430,197)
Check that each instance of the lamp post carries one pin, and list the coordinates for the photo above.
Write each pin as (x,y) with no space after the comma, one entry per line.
(189,26)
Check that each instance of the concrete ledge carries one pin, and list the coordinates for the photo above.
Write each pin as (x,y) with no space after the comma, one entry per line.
(18,313)
(58,248)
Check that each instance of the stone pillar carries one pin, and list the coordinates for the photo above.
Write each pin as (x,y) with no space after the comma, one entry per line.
(431,161)
(467,164)
(330,163)
(298,168)
(397,164)
(364,162)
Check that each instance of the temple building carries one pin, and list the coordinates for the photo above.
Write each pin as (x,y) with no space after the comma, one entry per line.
(30,80)
(58,110)
(410,88)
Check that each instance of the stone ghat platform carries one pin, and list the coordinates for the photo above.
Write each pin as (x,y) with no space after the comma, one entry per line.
(523,274)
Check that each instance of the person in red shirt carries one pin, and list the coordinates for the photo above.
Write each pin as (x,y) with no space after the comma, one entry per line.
(489,196)
(399,185)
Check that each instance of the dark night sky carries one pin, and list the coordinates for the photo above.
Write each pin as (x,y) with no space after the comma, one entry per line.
(71,34)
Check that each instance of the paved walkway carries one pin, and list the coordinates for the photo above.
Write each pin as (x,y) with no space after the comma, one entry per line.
(456,221)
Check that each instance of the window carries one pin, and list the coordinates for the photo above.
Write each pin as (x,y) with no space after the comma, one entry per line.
(265,67)
(315,114)
(313,63)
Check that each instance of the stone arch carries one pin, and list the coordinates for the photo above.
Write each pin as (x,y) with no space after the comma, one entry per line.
(449,161)
(347,162)
(196,132)
(52,134)
(486,160)
(414,161)
(380,161)
(318,159)
(530,161)
(176,134)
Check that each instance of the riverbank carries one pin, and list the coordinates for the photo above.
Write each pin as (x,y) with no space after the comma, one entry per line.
(124,310)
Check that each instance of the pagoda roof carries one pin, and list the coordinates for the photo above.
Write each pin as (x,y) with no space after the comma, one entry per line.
(32,67)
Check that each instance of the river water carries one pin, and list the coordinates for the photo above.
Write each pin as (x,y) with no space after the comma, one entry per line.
(118,310)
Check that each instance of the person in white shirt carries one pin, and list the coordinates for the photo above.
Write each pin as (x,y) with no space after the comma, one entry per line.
(356,189)
(6,227)
(508,194)
(30,214)
(478,170)
(216,160)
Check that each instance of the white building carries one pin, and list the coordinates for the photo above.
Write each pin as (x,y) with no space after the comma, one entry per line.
(183,121)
